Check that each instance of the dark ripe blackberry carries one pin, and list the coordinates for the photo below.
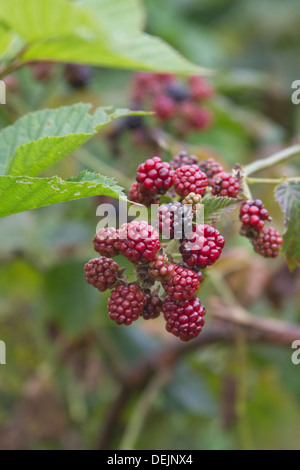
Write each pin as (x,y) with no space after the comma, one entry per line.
(164,106)
(203,248)
(160,268)
(155,176)
(136,195)
(126,304)
(101,273)
(77,75)
(139,242)
(106,242)
(174,220)
(268,243)
(183,159)
(178,92)
(253,216)
(182,285)
(133,122)
(185,319)
(211,168)
(224,184)
(153,307)
(189,179)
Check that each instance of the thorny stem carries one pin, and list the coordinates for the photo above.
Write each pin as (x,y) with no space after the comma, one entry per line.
(273,160)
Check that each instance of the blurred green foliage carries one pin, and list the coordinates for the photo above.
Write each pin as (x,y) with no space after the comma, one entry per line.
(57,385)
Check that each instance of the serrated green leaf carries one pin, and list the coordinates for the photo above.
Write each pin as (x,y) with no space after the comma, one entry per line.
(40,139)
(103,33)
(288,197)
(215,206)
(19,194)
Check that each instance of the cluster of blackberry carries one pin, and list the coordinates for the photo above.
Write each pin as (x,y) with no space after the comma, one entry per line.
(265,241)
(181,102)
(162,285)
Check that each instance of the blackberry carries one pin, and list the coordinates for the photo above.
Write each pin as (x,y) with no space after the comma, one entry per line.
(164,106)
(224,184)
(203,248)
(182,285)
(185,318)
(106,242)
(253,216)
(189,179)
(153,307)
(196,116)
(174,220)
(200,88)
(155,176)
(101,273)
(136,195)
(183,159)
(211,168)
(139,242)
(77,75)
(126,304)
(268,243)
(178,92)
(160,268)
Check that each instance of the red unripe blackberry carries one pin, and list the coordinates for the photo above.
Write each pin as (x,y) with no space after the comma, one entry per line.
(155,176)
(203,248)
(160,268)
(136,195)
(182,285)
(253,215)
(189,179)
(126,304)
(101,273)
(153,307)
(196,116)
(200,88)
(174,220)
(139,242)
(183,159)
(224,184)
(185,318)
(106,242)
(211,168)
(268,243)
(164,106)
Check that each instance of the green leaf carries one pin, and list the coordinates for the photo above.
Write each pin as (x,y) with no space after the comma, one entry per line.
(215,206)
(101,33)
(40,139)
(19,194)
(288,197)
